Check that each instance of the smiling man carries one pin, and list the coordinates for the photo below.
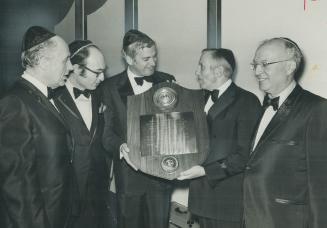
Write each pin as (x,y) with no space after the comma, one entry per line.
(143,200)
(285,184)
(215,195)
(79,106)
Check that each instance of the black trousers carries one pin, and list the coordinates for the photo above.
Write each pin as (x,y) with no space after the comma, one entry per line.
(147,210)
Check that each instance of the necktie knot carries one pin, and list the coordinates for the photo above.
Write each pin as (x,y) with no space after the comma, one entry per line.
(274,102)
(214,95)
(140,80)
(51,93)
(78,92)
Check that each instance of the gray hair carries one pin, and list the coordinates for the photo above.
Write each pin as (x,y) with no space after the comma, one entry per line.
(32,56)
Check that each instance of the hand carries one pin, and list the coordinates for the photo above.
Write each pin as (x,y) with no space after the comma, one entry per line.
(124,150)
(194,172)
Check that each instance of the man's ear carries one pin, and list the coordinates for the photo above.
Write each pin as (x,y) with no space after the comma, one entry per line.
(128,59)
(218,71)
(290,67)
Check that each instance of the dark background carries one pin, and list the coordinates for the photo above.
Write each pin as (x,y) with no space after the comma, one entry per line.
(16,16)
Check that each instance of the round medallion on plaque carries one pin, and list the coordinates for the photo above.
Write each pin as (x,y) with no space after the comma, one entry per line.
(165,98)
(169,164)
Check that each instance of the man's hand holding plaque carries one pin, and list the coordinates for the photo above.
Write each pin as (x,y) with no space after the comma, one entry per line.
(194,172)
(124,153)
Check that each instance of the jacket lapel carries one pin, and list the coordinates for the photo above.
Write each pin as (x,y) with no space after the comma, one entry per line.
(95,116)
(41,98)
(68,103)
(280,117)
(124,88)
(223,102)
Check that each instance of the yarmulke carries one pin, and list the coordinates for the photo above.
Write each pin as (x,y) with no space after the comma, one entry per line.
(78,45)
(132,36)
(35,35)
(228,55)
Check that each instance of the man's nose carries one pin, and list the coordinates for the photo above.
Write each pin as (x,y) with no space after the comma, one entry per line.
(69,66)
(152,62)
(101,77)
(197,72)
(258,69)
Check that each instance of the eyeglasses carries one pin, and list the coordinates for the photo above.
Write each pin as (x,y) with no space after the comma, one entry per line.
(264,64)
(95,72)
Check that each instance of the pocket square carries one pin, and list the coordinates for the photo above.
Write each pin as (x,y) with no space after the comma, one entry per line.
(102,108)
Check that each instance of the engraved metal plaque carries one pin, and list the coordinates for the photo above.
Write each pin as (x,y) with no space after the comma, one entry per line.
(167,130)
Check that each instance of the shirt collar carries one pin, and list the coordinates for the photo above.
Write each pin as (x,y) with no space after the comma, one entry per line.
(286,92)
(224,87)
(131,75)
(39,85)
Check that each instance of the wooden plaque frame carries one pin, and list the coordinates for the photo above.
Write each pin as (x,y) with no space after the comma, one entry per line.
(167,130)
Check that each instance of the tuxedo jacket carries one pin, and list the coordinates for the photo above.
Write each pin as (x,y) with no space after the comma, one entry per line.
(231,122)
(115,91)
(285,180)
(35,161)
(90,162)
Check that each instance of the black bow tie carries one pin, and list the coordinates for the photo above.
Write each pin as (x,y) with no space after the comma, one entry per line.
(78,92)
(214,95)
(140,80)
(52,93)
(274,102)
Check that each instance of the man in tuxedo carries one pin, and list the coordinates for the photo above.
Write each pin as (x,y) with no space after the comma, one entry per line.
(215,196)
(143,200)
(35,154)
(285,183)
(81,109)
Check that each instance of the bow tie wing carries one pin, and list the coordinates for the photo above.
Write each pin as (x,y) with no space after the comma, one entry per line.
(52,93)
(77,92)
(274,102)
(214,95)
(140,80)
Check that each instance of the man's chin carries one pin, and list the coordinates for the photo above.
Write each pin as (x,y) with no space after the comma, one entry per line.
(149,73)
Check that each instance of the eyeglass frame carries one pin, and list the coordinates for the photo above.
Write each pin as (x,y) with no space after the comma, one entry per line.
(265,64)
(95,72)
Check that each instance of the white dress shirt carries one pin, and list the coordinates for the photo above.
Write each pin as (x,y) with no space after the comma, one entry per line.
(138,89)
(83,104)
(270,112)
(221,89)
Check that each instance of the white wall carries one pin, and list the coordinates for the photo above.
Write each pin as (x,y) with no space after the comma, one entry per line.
(180,31)
(246,23)
(105,28)
(66,28)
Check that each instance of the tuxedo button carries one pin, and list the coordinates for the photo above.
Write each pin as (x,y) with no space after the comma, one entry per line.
(247,167)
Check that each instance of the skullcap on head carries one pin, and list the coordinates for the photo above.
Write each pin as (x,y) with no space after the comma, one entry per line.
(78,45)
(228,55)
(35,35)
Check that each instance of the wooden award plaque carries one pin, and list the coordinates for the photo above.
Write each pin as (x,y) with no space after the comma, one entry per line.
(167,130)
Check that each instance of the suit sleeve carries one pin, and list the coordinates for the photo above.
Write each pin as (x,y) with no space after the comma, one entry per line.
(110,139)
(20,187)
(236,160)
(316,152)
